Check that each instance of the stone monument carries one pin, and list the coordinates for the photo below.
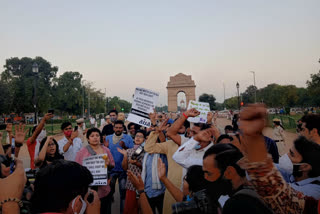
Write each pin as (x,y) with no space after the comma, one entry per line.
(180,83)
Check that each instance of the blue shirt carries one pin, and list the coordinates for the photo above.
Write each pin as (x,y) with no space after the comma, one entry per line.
(309,187)
(151,193)
(117,156)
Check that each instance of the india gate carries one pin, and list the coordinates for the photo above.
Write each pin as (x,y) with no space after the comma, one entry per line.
(180,83)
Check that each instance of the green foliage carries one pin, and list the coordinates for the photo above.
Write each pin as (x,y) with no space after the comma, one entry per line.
(314,88)
(118,104)
(232,103)
(208,98)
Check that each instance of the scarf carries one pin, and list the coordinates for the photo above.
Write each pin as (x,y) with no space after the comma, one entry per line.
(156,184)
(116,139)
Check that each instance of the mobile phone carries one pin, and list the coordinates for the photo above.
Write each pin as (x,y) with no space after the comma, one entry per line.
(90,197)
(51,111)
(75,128)
(3,126)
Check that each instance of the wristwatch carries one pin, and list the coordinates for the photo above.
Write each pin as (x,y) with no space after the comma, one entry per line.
(139,192)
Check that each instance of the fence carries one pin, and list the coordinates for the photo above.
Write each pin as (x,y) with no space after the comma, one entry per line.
(286,121)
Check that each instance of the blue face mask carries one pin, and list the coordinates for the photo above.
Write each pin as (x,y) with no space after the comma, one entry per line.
(188,198)
(197,147)
(143,144)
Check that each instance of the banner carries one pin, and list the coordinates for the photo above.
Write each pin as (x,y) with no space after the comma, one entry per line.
(96,165)
(144,101)
(203,108)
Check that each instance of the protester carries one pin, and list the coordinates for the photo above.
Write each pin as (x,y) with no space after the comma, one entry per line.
(154,188)
(95,148)
(38,134)
(167,148)
(192,151)
(108,129)
(70,145)
(311,127)
(49,152)
(178,129)
(132,160)
(221,167)
(228,129)
(121,141)
(264,176)
(132,130)
(301,167)
(62,187)
(279,136)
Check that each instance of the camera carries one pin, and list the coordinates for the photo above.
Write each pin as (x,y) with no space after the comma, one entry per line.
(137,153)
(200,203)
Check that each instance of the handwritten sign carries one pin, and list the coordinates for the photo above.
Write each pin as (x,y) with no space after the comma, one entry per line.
(144,102)
(96,165)
(203,108)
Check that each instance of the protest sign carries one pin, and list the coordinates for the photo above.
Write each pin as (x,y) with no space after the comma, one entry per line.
(144,101)
(96,165)
(203,108)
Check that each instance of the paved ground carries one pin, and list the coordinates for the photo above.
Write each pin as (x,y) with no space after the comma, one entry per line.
(222,122)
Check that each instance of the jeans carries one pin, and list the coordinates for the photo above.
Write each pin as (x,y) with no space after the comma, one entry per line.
(122,180)
(156,203)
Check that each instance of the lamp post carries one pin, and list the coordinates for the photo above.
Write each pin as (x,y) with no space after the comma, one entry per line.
(238,86)
(35,70)
(254,83)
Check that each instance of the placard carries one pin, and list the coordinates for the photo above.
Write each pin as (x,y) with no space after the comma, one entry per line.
(203,108)
(144,101)
(96,165)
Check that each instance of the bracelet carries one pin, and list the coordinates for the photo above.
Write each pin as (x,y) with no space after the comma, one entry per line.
(11,199)
(185,115)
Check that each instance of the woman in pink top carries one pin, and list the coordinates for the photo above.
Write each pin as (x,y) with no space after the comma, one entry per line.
(95,147)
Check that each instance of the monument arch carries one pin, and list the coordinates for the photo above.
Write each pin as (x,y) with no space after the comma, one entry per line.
(180,83)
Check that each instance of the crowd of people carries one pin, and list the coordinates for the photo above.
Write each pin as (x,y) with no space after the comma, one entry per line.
(173,166)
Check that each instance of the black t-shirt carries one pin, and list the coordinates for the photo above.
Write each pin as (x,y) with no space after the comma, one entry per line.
(247,204)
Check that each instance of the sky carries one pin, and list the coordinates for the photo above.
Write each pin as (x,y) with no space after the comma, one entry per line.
(120,45)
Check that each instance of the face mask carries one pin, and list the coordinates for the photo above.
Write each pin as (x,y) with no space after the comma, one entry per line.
(42,135)
(83,208)
(286,164)
(197,147)
(296,170)
(67,133)
(144,143)
(113,119)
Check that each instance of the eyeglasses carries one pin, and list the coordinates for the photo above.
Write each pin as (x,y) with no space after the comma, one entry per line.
(138,136)
(51,144)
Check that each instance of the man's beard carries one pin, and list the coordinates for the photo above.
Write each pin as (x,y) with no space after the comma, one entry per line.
(118,133)
(220,187)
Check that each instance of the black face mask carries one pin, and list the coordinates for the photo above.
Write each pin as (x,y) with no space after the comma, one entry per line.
(220,187)
(296,171)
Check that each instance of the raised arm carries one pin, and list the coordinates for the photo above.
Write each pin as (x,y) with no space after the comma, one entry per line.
(42,154)
(174,191)
(173,130)
(36,133)
(152,146)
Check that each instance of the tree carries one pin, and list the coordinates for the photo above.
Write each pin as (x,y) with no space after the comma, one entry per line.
(67,92)
(313,87)
(232,103)
(208,98)
(22,81)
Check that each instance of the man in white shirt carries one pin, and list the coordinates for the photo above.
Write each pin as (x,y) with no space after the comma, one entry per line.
(92,121)
(191,152)
(70,145)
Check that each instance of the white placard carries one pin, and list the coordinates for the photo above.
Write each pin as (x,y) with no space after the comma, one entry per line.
(144,101)
(96,165)
(204,108)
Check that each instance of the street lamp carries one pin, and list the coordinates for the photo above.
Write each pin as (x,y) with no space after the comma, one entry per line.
(238,86)
(35,70)
(254,83)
